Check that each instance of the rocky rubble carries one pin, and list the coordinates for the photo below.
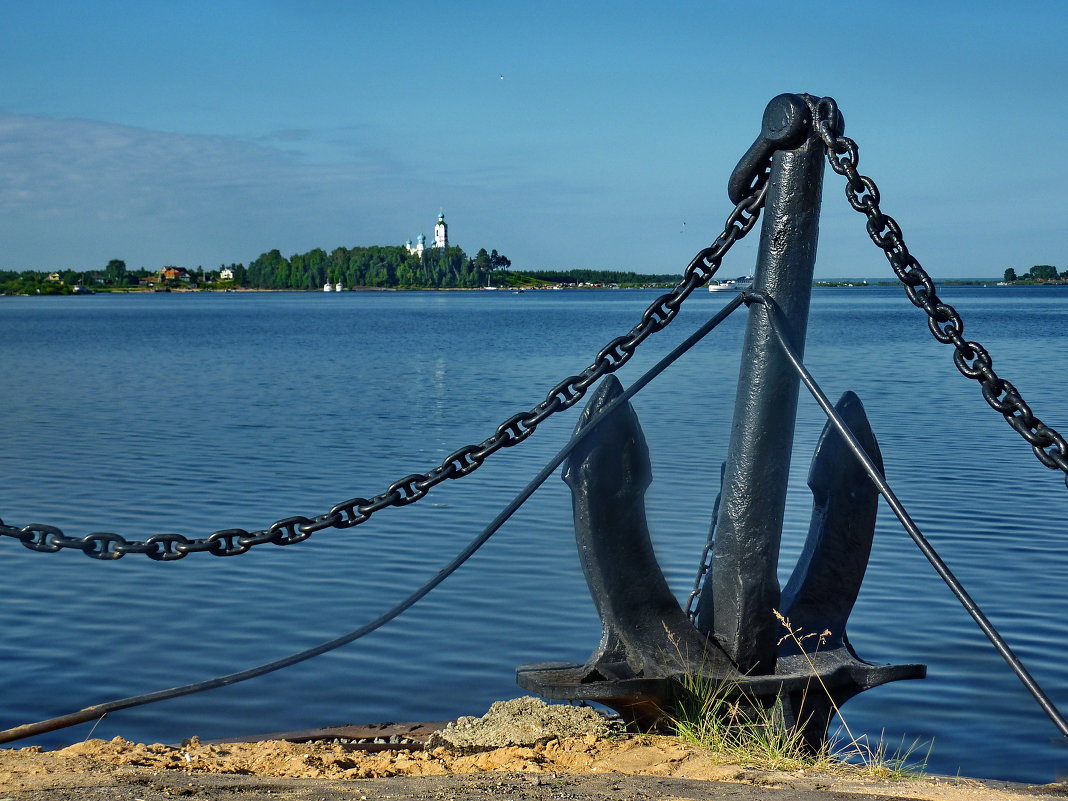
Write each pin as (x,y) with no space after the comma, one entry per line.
(520,722)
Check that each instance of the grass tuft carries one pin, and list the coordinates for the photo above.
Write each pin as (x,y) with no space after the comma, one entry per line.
(716,716)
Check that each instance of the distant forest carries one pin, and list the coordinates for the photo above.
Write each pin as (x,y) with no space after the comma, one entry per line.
(386,267)
(374,266)
(396,267)
(1038,273)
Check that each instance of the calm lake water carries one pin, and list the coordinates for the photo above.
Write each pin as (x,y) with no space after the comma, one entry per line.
(189,413)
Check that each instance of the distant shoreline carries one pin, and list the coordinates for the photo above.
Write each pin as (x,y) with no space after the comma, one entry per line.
(817,284)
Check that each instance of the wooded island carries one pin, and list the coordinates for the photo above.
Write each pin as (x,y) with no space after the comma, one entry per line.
(375,267)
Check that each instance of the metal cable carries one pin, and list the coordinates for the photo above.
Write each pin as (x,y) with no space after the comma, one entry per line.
(876,476)
(168,547)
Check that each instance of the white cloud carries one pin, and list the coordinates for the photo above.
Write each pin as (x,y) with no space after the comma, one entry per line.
(76,191)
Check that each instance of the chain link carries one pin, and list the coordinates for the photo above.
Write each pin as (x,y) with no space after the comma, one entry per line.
(971,359)
(704,567)
(463,462)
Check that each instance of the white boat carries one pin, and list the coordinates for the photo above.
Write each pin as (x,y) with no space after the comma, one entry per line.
(739,284)
(338,287)
(328,287)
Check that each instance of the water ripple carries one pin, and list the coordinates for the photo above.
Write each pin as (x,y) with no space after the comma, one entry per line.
(192,413)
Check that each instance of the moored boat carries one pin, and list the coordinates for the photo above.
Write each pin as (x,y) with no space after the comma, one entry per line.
(740,284)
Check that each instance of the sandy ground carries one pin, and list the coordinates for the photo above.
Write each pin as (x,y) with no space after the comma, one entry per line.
(589,768)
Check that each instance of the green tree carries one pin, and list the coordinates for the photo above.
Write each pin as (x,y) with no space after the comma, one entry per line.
(1010,275)
(296,273)
(1044,272)
(315,265)
(269,271)
(498,261)
(115,273)
(405,275)
(483,265)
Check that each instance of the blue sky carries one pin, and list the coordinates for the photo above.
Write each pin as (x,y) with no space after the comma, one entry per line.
(201,133)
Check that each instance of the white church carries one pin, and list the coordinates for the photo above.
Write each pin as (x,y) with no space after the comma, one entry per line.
(441,238)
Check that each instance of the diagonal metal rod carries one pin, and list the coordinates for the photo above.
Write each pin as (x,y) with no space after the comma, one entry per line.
(775,317)
(100,710)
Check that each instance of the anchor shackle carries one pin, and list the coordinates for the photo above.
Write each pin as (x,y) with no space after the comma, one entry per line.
(787,122)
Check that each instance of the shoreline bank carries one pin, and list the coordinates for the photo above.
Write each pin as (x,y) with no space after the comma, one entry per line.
(579,769)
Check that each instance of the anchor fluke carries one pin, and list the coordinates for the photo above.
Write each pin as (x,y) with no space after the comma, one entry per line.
(826,581)
(646,636)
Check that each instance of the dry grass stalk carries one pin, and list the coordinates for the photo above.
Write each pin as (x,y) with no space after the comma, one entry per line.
(716,715)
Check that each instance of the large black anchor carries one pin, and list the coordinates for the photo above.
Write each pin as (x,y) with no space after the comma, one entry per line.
(649,645)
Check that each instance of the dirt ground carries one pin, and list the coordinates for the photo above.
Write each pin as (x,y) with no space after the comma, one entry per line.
(589,768)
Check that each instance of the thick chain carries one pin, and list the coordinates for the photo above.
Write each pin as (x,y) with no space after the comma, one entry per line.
(971,358)
(231,542)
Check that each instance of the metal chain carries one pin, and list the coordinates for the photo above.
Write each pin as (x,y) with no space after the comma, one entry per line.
(704,566)
(693,601)
(971,358)
(463,462)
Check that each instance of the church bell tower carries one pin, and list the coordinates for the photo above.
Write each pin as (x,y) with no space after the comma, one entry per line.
(441,233)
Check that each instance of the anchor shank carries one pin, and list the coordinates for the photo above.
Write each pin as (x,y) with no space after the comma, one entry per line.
(736,605)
